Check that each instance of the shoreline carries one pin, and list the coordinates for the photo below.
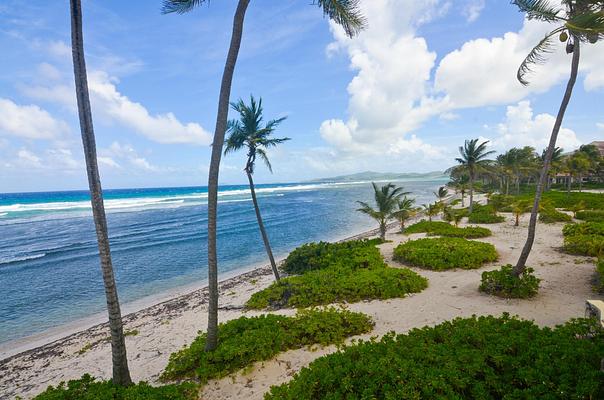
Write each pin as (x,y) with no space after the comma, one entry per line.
(183,294)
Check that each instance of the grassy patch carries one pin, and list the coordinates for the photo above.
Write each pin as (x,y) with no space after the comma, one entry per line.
(439,228)
(484,215)
(474,358)
(591,215)
(88,388)
(244,341)
(585,228)
(600,275)
(551,216)
(445,253)
(503,283)
(338,272)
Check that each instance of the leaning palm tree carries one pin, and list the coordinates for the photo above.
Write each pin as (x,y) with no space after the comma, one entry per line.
(343,12)
(121,373)
(431,210)
(473,158)
(406,210)
(581,21)
(386,200)
(248,133)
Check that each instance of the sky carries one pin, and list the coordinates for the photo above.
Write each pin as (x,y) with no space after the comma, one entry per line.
(400,97)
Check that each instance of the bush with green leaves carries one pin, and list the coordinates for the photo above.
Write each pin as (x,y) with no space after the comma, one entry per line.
(320,255)
(551,216)
(586,245)
(445,253)
(439,228)
(600,275)
(503,283)
(88,388)
(592,201)
(591,215)
(246,340)
(473,358)
(337,285)
(484,215)
(585,228)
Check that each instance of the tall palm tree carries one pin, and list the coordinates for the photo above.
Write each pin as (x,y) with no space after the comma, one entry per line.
(343,12)
(461,184)
(431,210)
(473,158)
(406,210)
(248,132)
(555,165)
(386,200)
(581,21)
(121,373)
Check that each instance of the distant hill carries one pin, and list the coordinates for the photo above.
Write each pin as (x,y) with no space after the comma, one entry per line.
(383,176)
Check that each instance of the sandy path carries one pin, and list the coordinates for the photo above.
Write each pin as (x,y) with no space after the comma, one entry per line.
(168,326)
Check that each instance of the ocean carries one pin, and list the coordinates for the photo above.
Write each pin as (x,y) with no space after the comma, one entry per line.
(49,267)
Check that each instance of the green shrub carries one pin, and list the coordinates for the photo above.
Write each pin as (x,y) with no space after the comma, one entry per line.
(592,201)
(503,283)
(439,228)
(585,228)
(320,255)
(87,388)
(551,215)
(244,341)
(591,215)
(586,245)
(474,358)
(484,215)
(600,275)
(338,284)
(445,253)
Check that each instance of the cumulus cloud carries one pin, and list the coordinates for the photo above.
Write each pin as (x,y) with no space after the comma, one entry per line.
(522,128)
(29,122)
(52,159)
(126,154)
(114,107)
(473,9)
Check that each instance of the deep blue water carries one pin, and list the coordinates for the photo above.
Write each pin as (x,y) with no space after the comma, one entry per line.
(49,268)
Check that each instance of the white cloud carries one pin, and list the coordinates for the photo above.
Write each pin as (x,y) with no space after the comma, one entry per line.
(473,9)
(47,71)
(128,154)
(29,122)
(28,159)
(109,105)
(600,126)
(58,49)
(483,71)
(389,94)
(109,162)
(522,128)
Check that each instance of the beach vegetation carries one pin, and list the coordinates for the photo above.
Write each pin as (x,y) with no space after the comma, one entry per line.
(600,275)
(119,359)
(439,228)
(585,228)
(519,208)
(478,358)
(405,210)
(550,215)
(504,283)
(484,214)
(445,253)
(460,182)
(586,245)
(344,13)
(472,159)
(89,388)
(591,215)
(246,340)
(251,134)
(386,203)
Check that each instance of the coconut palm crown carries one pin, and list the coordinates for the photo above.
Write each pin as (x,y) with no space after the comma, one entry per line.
(473,157)
(386,200)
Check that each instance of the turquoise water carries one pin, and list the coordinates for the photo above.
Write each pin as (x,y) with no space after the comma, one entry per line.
(49,267)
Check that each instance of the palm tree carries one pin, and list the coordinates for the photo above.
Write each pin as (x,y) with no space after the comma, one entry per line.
(386,200)
(556,164)
(461,184)
(248,132)
(431,210)
(473,158)
(121,373)
(519,208)
(343,12)
(581,21)
(405,210)
(579,164)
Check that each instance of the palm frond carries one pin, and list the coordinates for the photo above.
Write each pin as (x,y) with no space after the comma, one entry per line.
(180,6)
(262,154)
(540,10)
(345,13)
(588,25)
(537,56)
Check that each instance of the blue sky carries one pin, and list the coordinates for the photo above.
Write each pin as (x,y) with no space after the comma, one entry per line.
(401,97)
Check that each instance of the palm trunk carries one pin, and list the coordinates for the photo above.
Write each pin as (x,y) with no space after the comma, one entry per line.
(267,244)
(383,231)
(580,183)
(568,184)
(471,192)
(463,198)
(517,220)
(219,132)
(521,264)
(121,374)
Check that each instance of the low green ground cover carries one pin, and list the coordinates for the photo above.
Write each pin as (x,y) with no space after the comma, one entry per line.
(503,283)
(244,341)
(585,228)
(591,215)
(335,273)
(600,275)
(475,358)
(88,388)
(584,239)
(484,214)
(551,216)
(439,228)
(445,253)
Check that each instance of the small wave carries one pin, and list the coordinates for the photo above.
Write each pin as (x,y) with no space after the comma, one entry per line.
(21,258)
(4,214)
